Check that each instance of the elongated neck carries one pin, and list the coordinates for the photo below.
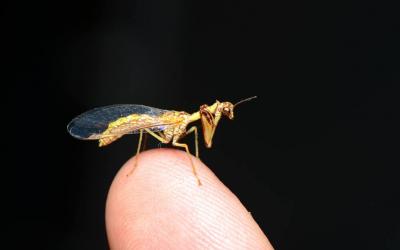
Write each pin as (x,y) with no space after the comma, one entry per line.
(196,116)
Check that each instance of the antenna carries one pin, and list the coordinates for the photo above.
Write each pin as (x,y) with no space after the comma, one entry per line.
(244,100)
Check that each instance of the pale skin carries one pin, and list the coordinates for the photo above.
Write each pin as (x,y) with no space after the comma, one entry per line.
(158,207)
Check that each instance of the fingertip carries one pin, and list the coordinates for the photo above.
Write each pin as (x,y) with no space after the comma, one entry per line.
(160,205)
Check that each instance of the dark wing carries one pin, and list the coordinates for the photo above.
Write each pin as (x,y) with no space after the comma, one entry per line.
(91,124)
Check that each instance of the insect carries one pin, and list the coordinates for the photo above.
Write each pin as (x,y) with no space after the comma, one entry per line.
(109,123)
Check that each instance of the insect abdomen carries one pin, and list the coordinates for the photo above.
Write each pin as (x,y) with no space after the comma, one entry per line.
(108,140)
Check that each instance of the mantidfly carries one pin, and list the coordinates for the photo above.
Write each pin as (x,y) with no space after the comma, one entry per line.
(109,123)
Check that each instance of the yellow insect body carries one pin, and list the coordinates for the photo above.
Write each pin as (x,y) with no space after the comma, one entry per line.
(109,123)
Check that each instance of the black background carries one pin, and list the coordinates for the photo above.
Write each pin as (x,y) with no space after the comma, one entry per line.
(314,158)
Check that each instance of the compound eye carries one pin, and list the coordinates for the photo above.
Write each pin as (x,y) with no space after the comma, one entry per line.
(226,109)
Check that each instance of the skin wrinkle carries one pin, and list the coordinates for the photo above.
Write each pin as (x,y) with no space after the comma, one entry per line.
(197,225)
(219,228)
(160,206)
(203,210)
(161,163)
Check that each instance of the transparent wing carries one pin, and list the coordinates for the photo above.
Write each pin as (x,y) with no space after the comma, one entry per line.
(91,124)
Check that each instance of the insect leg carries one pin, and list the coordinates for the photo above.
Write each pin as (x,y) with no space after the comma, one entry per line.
(137,152)
(183,145)
(160,143)
(144,141)
(196,140)
(158,137)
(140,142)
